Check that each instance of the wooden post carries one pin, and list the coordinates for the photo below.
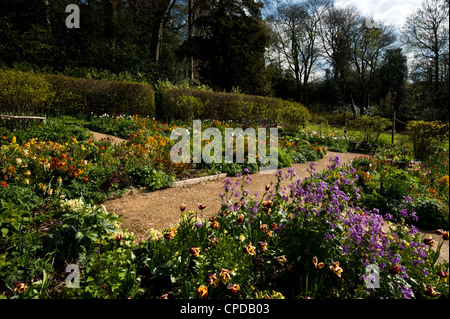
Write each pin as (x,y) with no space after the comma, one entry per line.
(393,128)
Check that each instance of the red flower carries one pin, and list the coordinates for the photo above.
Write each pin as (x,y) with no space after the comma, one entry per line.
(317,264)
(233,288)
(443,274)
(183,207)
(430,292)
(195,251)
(395,269)
(201,206)
(4,184)
(429,241)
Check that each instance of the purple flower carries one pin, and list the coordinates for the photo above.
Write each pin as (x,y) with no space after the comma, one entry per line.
(408,199)
(403,212)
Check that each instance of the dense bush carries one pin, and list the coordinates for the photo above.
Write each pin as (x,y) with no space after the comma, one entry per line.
(427,137)
(371,126)
(185,104)
(23,94)
(292,116)
(28,93)
(77,95)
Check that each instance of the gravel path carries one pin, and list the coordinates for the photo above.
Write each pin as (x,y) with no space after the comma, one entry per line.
(142,211)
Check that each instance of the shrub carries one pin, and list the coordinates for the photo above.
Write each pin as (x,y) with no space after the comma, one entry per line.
(427,137)
(371,126)
(292,115)
(23,94)
(146,176)
(247,109)
(76,95)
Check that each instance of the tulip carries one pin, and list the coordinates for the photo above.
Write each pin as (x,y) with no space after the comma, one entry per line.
(317,264)
(240,218)
(281,259)
(195,251)
(262,245)
(249,249)
(183,207)
(395,269)
(215,225)
(20,287)
(214,241)
(233,288)
(429,241)
(267,187)
(443,274)
(169,235)
(334,267)
(430,292)
(202,292)
(224,275)
(445,235)
(201,207)
(212,279)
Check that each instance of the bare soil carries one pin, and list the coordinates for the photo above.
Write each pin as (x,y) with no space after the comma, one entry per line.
(141,211)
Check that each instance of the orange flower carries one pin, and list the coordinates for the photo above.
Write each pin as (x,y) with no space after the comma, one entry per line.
(20,287)
(262,245)
(317,264)
(195,251)
(224,275)
(4,184)
(212,279)
(233,288)
(281,259)
(334,267)
(249,249)
(215,225)
(202,292)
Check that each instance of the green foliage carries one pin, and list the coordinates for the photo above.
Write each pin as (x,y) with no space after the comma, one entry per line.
(76,95)
(371,126)
(146,176)
(23,94)
(284,160)
(292,116)
(205,104)
(427,137)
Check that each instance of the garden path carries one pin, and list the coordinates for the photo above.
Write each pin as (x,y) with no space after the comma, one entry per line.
(142,211)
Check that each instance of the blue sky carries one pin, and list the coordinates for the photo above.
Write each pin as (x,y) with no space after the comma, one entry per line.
(392,12)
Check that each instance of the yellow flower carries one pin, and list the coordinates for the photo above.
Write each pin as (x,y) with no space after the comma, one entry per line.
(224,275)
(249,249)
(202,292)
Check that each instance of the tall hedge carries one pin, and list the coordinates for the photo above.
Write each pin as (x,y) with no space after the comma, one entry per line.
(78,95)
(55,94)
(187,104)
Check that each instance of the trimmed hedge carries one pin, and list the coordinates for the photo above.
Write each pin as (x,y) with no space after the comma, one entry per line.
(77,95)
(188,104)
(73,96)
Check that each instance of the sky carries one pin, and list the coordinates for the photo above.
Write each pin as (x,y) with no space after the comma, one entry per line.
(391,12)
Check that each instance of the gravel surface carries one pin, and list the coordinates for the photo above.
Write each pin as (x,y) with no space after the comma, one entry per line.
(142,211)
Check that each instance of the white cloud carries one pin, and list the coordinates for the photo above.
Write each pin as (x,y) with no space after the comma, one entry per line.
(391,12)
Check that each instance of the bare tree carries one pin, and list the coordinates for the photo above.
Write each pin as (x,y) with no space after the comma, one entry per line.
(425,33)
(296,27)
